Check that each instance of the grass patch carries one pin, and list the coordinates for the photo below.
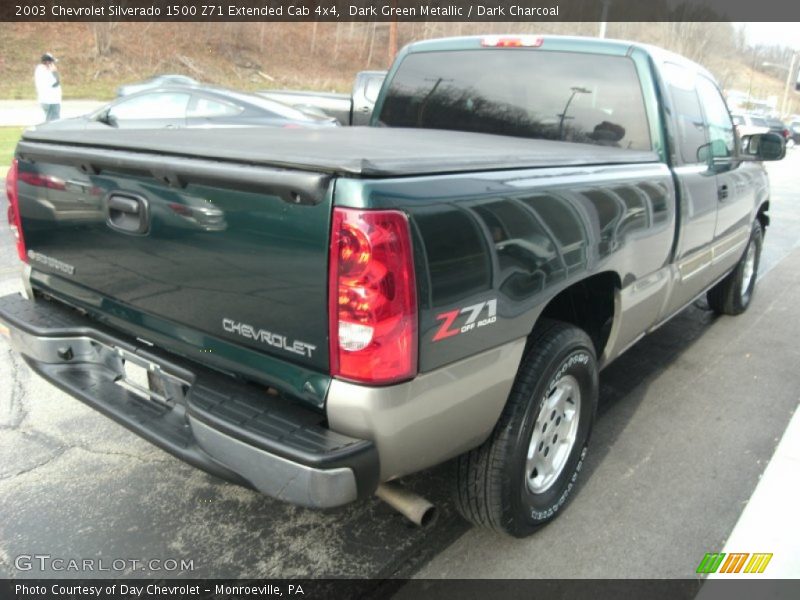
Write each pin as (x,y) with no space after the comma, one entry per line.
(9,136)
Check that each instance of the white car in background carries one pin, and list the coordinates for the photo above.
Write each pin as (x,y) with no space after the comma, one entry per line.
(749,124)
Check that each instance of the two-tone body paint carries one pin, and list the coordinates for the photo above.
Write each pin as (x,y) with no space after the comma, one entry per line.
(638,223)
(716,204)
(491,247)
(496,248)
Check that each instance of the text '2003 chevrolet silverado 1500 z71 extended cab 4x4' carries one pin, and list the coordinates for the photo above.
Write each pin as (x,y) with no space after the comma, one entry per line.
(316,313)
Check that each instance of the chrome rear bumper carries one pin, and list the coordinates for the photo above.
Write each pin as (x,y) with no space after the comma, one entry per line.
(212,421)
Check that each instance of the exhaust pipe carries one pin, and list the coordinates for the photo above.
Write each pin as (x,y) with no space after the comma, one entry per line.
(412,506)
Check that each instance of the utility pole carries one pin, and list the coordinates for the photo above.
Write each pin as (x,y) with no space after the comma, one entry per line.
(790,78)
(604,19)
(392,41)
(392,47)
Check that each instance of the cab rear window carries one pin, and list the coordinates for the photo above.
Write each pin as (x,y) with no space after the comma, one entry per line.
(573,97)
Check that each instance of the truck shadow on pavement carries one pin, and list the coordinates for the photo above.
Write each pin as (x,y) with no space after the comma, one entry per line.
(624,383)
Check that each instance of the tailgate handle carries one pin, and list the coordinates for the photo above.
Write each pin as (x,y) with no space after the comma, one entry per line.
(127,213)
(126,205)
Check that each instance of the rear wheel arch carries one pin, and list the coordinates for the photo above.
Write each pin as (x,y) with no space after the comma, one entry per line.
(590,304)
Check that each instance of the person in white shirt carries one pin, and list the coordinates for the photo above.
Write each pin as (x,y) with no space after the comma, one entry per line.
(48,87)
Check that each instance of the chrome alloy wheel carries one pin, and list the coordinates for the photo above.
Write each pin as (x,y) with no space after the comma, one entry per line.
(749,269)
(553,435)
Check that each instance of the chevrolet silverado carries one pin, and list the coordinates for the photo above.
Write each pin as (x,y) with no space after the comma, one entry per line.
(315,313)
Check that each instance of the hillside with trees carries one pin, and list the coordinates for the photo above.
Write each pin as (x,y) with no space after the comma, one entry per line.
(97,57)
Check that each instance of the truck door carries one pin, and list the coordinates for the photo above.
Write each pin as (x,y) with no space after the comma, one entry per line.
(736,184)
(696,187)
(365,93)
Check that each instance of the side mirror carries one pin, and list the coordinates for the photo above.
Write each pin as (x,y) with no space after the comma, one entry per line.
(717,156)
(107,118)
(715,151)
(763,146)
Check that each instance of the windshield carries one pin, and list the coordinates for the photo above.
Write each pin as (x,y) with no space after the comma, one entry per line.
(574,97)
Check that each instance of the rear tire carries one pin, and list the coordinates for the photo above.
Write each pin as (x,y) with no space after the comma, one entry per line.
(733,295)
(522,476)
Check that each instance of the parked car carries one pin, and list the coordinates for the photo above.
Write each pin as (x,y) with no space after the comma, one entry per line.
(353,109)
(749,124)
(155,82)
(779,127)
(180,106)
(443,286)
(795,127)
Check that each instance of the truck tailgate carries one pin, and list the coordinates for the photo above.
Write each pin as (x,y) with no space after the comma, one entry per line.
(236,252)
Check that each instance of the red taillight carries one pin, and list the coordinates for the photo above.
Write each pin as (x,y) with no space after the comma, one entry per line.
(14,220)
(512,41)
(372,297)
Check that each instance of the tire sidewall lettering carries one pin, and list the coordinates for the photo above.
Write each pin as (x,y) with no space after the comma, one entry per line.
(577,359)
(550,512)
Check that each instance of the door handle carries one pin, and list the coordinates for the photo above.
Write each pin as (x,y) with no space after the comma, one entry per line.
(722,192)
(123,204)
(127,213)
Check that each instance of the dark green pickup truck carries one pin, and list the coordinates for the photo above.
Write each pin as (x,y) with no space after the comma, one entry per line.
(314,313)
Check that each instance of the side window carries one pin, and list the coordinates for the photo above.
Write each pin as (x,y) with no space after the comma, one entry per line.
(688,115)
(718,121)
(201,107)
(162,105)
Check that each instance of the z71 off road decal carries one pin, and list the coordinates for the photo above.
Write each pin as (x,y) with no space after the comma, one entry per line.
(450,327)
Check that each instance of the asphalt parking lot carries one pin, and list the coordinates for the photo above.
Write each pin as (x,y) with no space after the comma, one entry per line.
(689,417)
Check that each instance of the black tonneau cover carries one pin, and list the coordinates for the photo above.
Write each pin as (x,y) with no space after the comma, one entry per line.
(359,151)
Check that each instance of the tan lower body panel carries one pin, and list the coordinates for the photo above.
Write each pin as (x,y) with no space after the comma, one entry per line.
(432,418)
